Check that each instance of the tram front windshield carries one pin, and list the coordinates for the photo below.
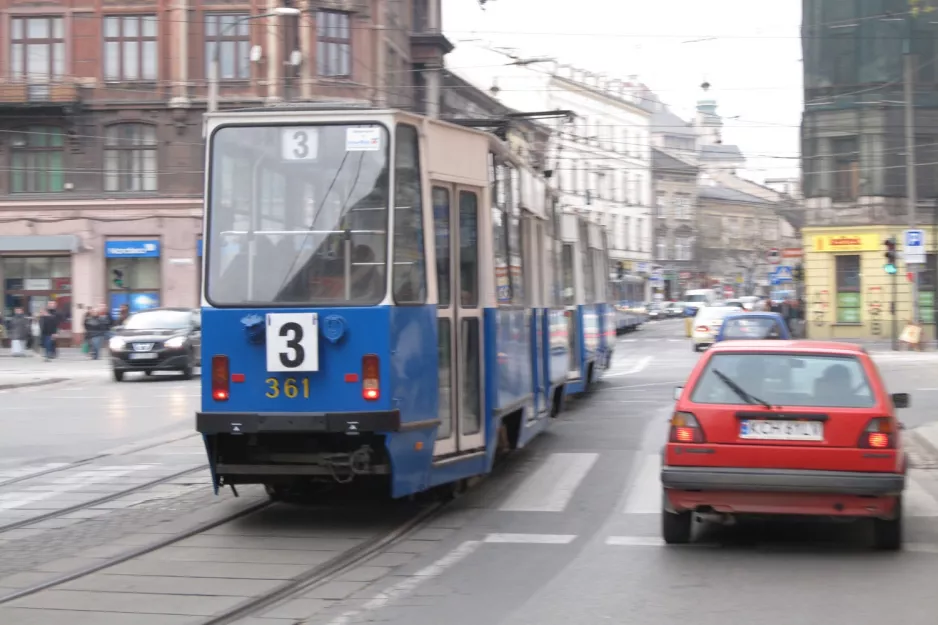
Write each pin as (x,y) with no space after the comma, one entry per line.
(298,215)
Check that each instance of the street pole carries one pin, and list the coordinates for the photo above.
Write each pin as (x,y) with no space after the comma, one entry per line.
(895,311)
(911,191)
(213,70)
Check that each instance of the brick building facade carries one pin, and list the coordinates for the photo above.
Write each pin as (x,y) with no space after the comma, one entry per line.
(101,148)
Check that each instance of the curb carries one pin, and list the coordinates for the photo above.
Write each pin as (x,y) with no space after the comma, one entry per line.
(5,387)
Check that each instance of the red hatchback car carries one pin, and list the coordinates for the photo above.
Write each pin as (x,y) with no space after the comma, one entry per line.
(785,428)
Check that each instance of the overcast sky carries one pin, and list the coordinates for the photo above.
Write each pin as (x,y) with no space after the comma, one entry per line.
(750,53)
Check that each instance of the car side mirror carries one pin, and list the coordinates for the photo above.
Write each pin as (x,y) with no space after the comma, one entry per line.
(677,392)
(901,400)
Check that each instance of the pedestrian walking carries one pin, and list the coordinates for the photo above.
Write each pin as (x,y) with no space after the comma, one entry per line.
(49,330)
(19,333)
(96,329)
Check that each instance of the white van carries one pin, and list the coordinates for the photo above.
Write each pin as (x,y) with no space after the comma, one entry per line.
(700,297)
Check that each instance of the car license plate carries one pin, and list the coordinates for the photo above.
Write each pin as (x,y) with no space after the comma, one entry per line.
(143,356)
(752,429)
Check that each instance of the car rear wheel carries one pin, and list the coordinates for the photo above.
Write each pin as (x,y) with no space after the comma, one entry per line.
(118,375)
(696,347)
(887,533)
(676,526)
(187,373)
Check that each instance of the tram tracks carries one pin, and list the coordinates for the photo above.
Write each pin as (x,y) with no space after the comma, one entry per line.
(322,573)
(312,576)
(32,520)
(89,460)
(131,554)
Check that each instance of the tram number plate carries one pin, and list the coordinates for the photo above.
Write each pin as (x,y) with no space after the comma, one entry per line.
(781,430)
(143,356)
(292,342)
(291,388)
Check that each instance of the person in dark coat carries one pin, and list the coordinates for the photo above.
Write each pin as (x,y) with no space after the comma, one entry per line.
(49,323)
(97,327)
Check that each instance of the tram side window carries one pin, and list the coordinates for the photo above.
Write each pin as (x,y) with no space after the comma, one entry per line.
(409,269)
(556,252)
(601,273)
(500,235)
(468,248)
(568,282)
(516,253)
(442,230)
(587,262)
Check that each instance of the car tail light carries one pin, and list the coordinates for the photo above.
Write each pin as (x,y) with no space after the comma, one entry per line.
(220,378)
(685,429)
(703,329)
(879,434)
(371,389)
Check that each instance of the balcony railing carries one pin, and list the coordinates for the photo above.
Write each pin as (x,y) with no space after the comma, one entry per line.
(38,93)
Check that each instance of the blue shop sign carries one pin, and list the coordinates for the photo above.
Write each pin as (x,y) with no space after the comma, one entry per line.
(132,249)
(198,248)
(134,301)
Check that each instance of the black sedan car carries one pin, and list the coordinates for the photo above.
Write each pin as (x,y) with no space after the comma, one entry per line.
(158,339)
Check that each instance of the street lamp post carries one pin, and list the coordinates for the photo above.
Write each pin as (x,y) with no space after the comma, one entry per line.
(213,67)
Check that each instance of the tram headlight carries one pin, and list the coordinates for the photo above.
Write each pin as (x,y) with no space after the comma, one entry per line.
(117,343)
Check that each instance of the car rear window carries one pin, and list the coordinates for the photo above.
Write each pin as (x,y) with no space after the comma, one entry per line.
(715,314)
(785,379)
(753,328)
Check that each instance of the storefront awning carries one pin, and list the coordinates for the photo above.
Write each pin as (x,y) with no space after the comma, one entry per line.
(39,243)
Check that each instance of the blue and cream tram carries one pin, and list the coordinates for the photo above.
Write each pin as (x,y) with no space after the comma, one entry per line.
(381,300)
(585,267)
(627,293)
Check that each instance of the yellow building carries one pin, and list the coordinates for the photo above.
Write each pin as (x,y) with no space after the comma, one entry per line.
(847,290)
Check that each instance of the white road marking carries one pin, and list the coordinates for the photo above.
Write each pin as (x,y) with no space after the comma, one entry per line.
(635,541)
(550,488)
(645,493)
(619,389)
(636,367)
(531,539)
(916,501)
(29,471)
(16,499)
(408,585)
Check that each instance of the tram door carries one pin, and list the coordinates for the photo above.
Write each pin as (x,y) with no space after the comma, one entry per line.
(533,244)
(456,212)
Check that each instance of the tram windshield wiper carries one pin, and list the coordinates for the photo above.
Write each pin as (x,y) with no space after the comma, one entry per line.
(740,391)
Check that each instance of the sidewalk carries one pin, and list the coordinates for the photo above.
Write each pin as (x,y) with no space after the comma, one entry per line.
(34,371)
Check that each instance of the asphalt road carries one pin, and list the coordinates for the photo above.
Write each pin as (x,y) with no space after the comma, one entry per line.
(568,531)
(90,413)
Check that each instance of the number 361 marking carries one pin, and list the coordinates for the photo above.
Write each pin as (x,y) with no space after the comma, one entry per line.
(289,388)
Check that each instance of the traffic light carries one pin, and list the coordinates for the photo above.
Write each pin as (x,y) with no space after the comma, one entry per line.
(118,278)
(798,273)
(620,270)
(890,266)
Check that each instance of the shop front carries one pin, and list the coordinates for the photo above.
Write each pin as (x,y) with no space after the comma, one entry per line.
(36,270)
(849,295)
(133,274)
